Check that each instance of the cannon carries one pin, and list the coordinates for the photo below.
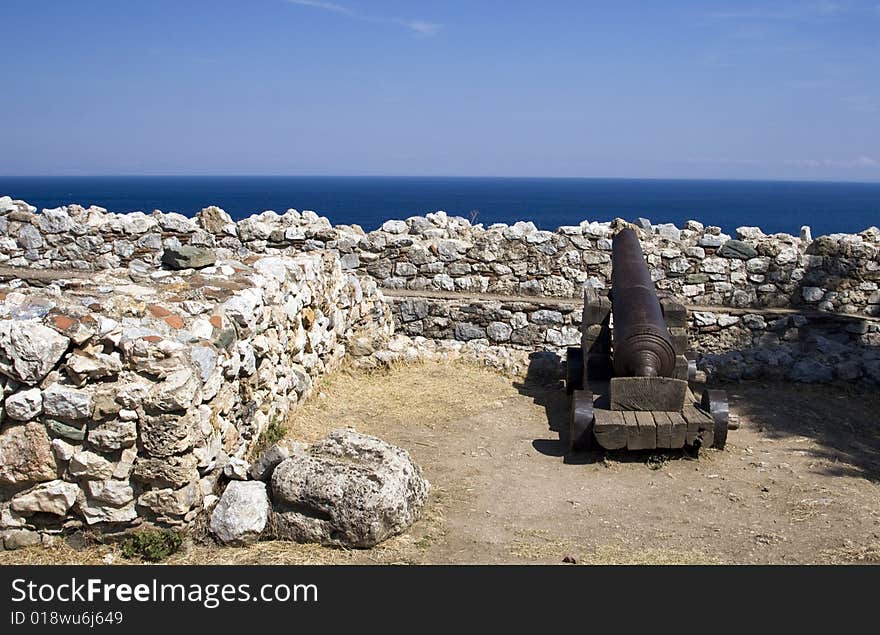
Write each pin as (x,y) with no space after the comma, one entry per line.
(631,382)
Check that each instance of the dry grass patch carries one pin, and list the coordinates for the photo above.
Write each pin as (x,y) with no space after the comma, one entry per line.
(421,394)
(542,548)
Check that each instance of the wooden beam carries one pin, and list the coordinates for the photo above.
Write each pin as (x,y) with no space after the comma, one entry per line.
(664,429)
(679,338)
(647,393)
(610,429)
(647,439)
(699,425)
(679,430)
(674,312)
(632,429)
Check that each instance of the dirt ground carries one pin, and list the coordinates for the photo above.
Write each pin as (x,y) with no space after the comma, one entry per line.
(799,481)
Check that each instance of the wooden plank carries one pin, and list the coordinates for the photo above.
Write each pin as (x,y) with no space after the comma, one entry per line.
(632,429)
(664,428)
(674,312)
(610,429)
(595,334)
(699,424)
(597,307)
(681,367)
(596,338)
(647,393)
(679,339)
(679,430)
(647,438)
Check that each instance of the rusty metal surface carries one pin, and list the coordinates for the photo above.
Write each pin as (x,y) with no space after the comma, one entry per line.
(642,345)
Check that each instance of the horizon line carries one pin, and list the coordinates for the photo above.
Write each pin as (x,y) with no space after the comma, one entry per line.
(445,176)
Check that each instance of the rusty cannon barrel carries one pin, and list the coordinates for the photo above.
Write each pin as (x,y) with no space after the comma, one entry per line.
(641,343)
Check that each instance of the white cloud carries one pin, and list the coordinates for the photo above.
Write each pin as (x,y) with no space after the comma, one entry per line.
(858,162)
(419,27)
(329,6)
(422,27)
(725,161)
(861,103)
(863,161)
(793,11)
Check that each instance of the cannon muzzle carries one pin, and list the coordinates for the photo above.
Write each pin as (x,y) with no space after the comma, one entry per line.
(642,346)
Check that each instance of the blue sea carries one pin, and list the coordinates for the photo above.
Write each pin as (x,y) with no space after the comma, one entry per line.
(775,206)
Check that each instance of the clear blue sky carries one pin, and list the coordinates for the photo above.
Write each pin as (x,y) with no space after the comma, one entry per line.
(728,89)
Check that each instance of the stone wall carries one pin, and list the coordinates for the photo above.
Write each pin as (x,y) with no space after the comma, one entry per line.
(128,394)
(732,344)
(141,355)
(836,273)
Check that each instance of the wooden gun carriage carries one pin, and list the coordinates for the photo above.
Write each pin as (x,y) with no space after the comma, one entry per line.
(631,380)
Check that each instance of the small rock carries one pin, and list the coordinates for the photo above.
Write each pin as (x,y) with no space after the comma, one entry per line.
(170,502)
(188,257)
(668,230)
(67,404)
(737,249)
(465,331)
(55,497)
(812,294)
(24,405)
(394,226)
(63,450)
(749,233)
(176,393)
(71,433)
(177,223)
(545,316)
(55,221)
(21,538)
(242,513)
(111,436)
(25,454)
(89,465)
(29,237)
(172,471)
(94,514)
(710,240)
(216,221)
(112,492)
(499,331)
(361,347)
(236,469)
(83,366)
(29,350)
(811,371)
(269,459)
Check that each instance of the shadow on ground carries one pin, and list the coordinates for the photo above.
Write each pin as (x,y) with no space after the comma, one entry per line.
(544,385)
(842,420)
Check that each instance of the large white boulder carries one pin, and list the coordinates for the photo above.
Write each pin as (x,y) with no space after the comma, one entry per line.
(349,490)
